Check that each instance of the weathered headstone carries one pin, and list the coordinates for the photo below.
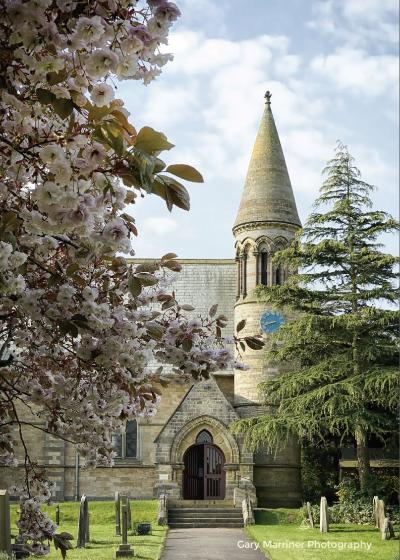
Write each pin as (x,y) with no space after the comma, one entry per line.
(310,514)
(380,511)
(57,514)
(323,516)
(375,511)
(128,507)
(117,514)
(162,515)
(387,531)
(124,548)
(5,534)
(83,523)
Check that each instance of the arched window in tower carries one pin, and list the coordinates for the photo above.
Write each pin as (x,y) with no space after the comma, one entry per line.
(264,267)
(204,437)
(239,276)
(125,444)
(244,272)
(279,275)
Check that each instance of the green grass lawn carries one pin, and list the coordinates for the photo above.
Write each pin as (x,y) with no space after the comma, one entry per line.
(283,526)
(104,543)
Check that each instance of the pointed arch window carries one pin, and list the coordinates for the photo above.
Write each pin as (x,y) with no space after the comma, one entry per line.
(279,275)
(264,267)
(204,437)
(126,443)
(244,273)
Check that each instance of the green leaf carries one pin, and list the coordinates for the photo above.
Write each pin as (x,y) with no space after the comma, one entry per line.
(71,269)
(63,107)
(129,176)
(147,267)
(168,304)
(254,343)
(54,78)
(186,307)
(172,192)
(151,141)
(185,172)
(80,321)
(134,286)
(168,257)
(213,310)
(159,165)
(146,279)
(69,327)
(45,96)
(9,221)
(187,344)
(96,114)
(240,326)
(172,265)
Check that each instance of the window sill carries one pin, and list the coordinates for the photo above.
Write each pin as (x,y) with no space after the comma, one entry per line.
(121,462)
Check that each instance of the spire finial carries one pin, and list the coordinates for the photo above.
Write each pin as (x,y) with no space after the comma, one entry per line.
(268,96)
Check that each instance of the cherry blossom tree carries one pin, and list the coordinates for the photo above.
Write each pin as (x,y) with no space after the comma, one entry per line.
(85,333)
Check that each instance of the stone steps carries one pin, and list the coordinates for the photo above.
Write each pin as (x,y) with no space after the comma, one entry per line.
(204,504)
(237,513)
(181,518)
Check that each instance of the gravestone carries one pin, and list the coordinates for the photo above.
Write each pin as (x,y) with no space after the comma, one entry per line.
(117,514)
(380,511)
(375,511)
(128,507)
(162,515)
(124,548)
(83,523)
(310,514)
(5,533)
(387,531)
(323,516)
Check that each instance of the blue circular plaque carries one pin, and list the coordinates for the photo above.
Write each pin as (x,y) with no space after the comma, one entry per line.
(271,321)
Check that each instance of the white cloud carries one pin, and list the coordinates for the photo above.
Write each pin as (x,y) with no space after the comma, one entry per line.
(159,225)
(209,103)
(358,22)
(208,15)
(356,70)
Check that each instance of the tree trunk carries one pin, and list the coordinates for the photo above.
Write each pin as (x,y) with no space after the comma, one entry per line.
(364,466)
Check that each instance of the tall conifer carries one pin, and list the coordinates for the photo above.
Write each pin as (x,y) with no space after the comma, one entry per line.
(342,343)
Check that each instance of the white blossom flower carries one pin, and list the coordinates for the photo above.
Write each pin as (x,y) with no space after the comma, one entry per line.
(102,94)
(88,30)
(65,293)
(6,250)
(52,153)
(101,62)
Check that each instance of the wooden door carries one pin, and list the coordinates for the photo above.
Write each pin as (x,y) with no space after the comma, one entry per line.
(204,475)
(214,474)
(193,474)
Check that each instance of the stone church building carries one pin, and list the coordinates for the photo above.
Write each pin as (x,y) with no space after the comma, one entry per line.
(187,449)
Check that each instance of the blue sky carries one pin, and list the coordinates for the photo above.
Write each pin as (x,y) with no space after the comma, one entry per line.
(332,68)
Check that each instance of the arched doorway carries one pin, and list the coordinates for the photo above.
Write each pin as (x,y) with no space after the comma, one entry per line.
(204,475)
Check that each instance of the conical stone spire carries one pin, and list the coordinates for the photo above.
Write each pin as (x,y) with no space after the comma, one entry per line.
(267,194)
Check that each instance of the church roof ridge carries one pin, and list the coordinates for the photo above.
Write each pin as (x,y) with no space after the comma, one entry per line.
(267,194)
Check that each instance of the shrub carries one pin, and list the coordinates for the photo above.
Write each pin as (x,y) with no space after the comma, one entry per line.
(319,472)
(352,507)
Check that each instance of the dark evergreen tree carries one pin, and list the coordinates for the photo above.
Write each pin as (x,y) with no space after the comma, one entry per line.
(343,342)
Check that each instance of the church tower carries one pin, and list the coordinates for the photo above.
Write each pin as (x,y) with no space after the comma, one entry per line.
(267,220)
